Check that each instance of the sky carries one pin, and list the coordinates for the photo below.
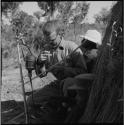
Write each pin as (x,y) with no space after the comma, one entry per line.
(30,7)
(95,7)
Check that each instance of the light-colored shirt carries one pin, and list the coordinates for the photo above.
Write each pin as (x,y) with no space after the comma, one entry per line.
(75,63)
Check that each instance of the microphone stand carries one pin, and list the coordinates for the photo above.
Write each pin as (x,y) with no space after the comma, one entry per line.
(23,89)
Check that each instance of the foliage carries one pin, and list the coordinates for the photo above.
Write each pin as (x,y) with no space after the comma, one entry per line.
(80,11)
(24,24)
(21,23)
(103,17)
(18,21)
(64,10)
(38,14)
(49,7)
(9,7)
(7,40)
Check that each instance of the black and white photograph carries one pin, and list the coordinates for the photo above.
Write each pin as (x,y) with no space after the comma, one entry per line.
(61,62)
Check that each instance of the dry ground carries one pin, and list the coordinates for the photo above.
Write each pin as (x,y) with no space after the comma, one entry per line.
(11,92)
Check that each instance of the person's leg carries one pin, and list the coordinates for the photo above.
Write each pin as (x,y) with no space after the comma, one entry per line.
(46,102)
(44,94)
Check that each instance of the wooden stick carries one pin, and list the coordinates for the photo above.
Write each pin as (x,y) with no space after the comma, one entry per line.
(23,89)
(15,118)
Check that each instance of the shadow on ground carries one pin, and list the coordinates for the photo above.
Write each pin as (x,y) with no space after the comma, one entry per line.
(12,112)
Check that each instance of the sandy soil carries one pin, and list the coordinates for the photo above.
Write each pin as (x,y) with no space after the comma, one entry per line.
(11,91)
(11,83)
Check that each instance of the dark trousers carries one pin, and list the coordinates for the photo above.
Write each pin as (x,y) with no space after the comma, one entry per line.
(49,99)
(45,93)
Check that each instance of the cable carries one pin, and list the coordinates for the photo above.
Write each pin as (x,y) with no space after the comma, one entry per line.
(30,75)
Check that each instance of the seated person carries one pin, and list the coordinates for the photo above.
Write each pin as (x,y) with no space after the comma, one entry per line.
(60,49)
(53,90)
(90,44)
(79,86)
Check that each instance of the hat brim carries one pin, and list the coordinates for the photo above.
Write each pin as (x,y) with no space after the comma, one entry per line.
(88,38)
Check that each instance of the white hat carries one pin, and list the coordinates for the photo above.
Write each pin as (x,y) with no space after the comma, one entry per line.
(94,36)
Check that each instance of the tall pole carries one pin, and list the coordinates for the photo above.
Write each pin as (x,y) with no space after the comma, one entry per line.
(23,89)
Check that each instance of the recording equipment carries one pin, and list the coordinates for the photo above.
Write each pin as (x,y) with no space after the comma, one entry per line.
(30,62)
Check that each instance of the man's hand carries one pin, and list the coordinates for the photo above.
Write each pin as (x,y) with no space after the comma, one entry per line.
(40,70)
(44,56)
